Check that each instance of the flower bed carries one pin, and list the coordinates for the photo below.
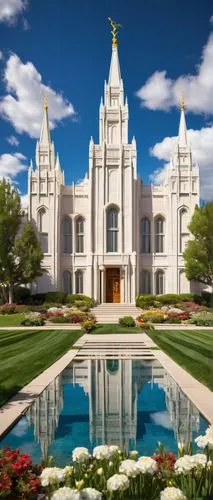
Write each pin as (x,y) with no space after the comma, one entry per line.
(108,473)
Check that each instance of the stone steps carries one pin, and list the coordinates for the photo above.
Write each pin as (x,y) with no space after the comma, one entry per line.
(110,313)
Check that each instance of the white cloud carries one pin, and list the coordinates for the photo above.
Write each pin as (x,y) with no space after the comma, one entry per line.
(22,106)
(24,200)
(11,9)
(13,141)
(161,92)
(12,164)
(202,150)
(162,418)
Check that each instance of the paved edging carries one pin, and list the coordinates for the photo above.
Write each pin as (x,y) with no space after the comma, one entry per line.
(18,404)
(198,393)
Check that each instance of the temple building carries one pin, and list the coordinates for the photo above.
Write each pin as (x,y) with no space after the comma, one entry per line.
(112,237)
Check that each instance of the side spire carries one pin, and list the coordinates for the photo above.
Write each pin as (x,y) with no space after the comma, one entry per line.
(182,135)
(45,139)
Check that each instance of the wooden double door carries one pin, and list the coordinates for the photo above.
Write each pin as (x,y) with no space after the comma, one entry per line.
(113,284)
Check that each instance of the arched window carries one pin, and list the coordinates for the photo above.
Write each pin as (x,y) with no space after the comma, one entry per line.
(159,282)
(67,282)
(145,235)
(43,229)
(67,230)
(79,285)
(159,235)
(145,283)
(79,224)
(112,230)
(184,232)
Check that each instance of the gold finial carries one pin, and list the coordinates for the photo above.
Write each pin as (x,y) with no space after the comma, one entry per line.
(45,102)
(182,102)
(114,31)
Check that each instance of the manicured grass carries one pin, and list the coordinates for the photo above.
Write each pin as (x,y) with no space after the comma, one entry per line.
(115,329)
(192,349)
(11,319)
(25,354)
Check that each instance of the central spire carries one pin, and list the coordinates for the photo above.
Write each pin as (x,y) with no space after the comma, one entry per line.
(182,136)
(114,72)
(45,129)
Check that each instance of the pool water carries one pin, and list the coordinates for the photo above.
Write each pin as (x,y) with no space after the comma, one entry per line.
(131,403)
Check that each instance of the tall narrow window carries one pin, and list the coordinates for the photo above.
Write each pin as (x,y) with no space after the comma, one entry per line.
(145,235)
(67,228)
(159,282)
(184,232)
(43,229)
(145,284)
(79,235)
(67,282)
(159,235)
(112,230)
(79,285)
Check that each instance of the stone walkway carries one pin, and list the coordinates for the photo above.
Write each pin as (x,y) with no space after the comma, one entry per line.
(114,346)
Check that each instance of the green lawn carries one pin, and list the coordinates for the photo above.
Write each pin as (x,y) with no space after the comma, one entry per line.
(114,328)
(25,354)
(192,349)
(11,319)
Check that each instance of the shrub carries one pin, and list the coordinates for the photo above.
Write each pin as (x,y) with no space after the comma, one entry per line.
(8,309)
(153,316)
(88,325)
(173,320)
(21,295)
(59,319)
(144,301)
(147,326)
(71,298)
(28,321)
(19,478)
(76,316)
(38,298)
(55,297)
(41,309)
(21,308)
(204,318)
(127,321)
(182,316)
(168,298)
(207,299)
(192,307)
(185,297)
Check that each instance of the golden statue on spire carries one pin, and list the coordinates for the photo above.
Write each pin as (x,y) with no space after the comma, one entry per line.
(182,102)
(114,31)
(45,102)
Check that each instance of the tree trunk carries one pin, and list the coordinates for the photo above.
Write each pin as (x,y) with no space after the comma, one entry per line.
(10,294)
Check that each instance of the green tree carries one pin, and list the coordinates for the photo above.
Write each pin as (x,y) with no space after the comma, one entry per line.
(20,251)
(198,255)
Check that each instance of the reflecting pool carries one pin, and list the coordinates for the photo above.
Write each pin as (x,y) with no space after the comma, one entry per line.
(130,403)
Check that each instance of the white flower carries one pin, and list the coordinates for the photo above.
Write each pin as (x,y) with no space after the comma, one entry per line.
(99,471)
(172,493)
(118,482)
(54,309)
(80,454)
(114,449)
(66,493)
(199,459)
(209,435)
(133,454)
(68,469)
(101,452)
(52,475)
(201,441)
(188,462)
(147,465)
(129,467)
(90,494)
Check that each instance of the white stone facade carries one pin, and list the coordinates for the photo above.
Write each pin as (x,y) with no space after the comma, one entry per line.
(112,237)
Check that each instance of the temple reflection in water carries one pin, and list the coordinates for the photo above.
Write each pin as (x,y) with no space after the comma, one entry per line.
(113,388)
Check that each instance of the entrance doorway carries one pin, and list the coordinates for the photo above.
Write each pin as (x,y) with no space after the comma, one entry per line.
(113,284)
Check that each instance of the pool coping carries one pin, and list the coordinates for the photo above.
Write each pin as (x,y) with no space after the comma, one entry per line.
(199,394)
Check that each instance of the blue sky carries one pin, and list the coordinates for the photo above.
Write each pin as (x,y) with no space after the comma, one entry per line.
(164,47)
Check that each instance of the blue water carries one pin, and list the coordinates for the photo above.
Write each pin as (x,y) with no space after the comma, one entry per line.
(131,403)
